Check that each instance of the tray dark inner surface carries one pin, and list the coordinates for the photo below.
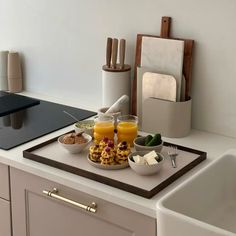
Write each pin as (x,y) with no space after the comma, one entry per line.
(50,153)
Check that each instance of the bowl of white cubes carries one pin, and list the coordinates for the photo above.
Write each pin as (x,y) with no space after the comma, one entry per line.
(146,162)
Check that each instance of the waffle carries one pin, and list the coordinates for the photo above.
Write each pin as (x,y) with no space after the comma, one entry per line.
(122,152)
(108,156)
(95,153)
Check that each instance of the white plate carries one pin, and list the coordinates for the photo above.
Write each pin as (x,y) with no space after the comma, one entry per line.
(107,167)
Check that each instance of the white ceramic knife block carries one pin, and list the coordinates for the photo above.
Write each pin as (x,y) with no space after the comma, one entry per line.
(115,84)
(171,119)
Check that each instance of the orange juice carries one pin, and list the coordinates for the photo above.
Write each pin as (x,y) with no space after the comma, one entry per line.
(127,129)
(104,127)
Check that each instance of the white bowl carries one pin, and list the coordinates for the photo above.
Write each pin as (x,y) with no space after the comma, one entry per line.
(139,145)
(85,125)
(143,169)
(102,111)
(75,148)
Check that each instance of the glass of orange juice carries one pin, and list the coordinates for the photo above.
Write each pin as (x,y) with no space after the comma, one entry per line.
(127,128)
(104,127)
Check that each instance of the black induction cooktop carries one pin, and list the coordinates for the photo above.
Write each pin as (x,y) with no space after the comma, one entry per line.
(24,119)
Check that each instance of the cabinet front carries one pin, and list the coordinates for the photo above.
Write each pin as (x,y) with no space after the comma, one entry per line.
(4,182)
(39,210)
(5,218)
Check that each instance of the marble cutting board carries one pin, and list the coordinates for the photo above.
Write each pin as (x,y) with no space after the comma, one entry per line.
(165,56)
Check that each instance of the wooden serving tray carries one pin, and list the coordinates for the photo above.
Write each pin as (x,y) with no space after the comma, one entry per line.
(52,154)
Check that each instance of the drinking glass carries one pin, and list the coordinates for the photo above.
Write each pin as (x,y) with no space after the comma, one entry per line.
(127,128)
(104,127)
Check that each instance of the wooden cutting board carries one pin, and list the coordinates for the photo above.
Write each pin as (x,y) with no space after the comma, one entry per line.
(187,63)
(165,56)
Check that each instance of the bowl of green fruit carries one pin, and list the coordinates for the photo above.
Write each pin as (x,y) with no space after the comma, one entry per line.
(149,143)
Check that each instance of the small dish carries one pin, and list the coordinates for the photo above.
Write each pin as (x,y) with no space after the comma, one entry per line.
(139,145)
(102,111)
(107,167)
(85,125)
(76,147)
(143,169)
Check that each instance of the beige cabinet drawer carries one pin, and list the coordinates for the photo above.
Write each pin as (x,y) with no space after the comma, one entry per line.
(38,214)
(5,225)
(4,182)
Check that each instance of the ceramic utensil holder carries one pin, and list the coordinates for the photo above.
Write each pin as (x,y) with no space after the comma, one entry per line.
(14,73)
(115,84)
(3,70)
(171,119)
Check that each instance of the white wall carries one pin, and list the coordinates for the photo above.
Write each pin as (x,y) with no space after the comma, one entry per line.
(63,43)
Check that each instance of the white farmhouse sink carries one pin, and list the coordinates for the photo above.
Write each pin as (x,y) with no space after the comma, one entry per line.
(204,205)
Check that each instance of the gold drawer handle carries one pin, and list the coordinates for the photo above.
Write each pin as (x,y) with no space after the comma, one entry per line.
(53,194)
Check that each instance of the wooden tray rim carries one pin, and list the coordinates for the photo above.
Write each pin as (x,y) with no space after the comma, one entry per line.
(111,182)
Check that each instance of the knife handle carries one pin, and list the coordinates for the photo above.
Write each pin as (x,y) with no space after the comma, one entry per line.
(108,52)
(114,53)
(122,53)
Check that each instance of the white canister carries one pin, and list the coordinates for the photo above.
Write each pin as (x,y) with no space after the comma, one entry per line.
(14,72)
(115,83)
(3,70)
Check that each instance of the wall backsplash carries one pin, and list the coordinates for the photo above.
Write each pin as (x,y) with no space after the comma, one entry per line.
(63,44)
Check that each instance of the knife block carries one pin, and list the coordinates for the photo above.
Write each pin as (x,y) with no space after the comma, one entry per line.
(171,119)
(115,83)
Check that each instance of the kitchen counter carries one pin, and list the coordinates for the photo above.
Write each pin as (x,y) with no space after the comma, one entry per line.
(213,144)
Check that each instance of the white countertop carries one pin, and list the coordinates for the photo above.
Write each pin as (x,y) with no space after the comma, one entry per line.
(215,145)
